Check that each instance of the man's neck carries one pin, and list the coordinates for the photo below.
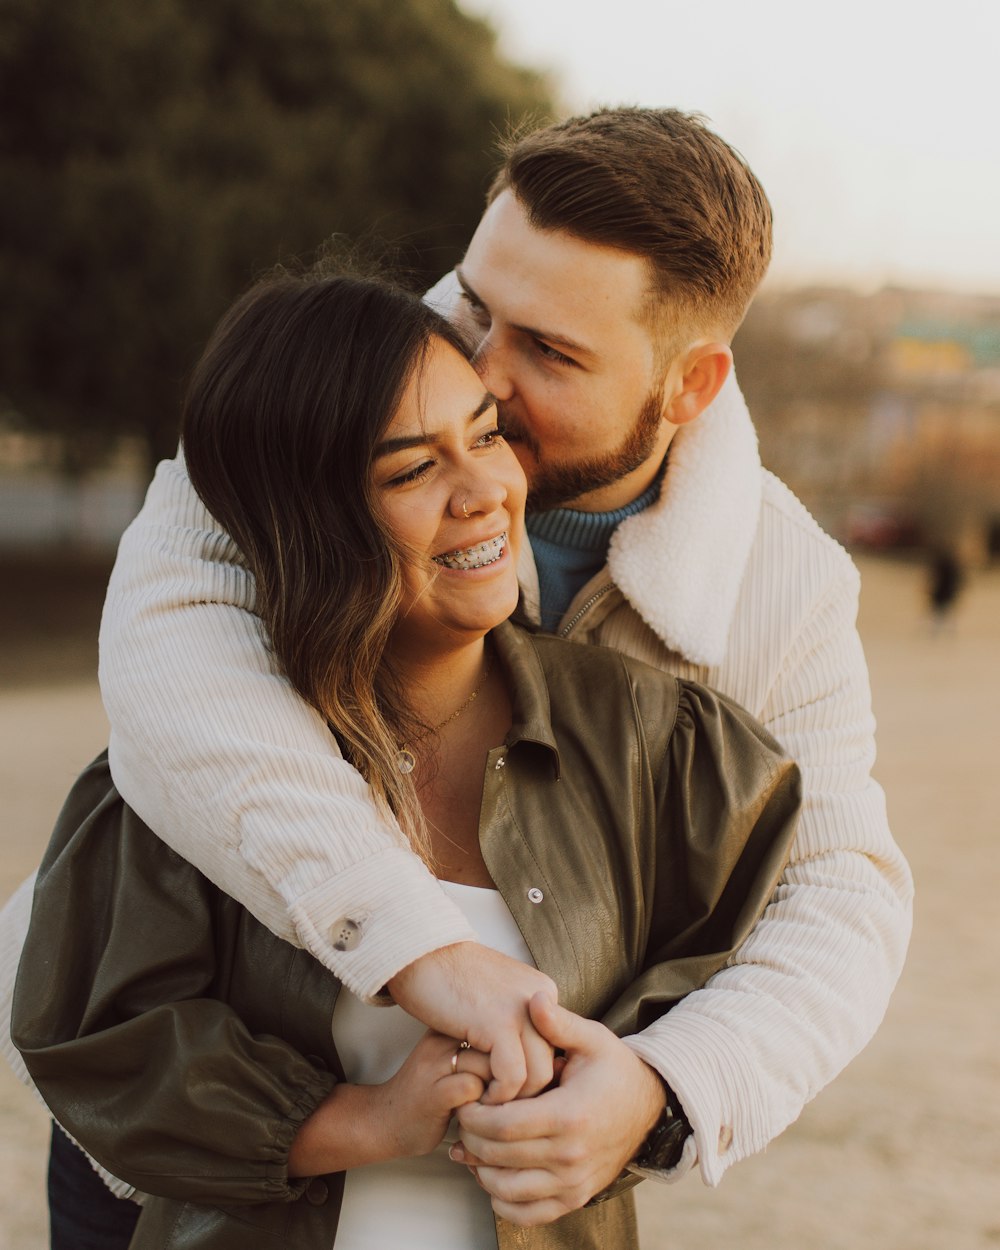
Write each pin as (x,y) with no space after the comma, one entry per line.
(570,547)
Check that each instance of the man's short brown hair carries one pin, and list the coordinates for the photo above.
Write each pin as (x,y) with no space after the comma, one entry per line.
(659,184)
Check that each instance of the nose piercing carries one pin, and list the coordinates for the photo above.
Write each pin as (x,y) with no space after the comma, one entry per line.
(465,507)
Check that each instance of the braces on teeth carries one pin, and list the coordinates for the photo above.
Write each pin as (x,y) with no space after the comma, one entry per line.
(474,557)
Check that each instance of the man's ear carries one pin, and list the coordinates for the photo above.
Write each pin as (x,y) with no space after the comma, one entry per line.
(704,368)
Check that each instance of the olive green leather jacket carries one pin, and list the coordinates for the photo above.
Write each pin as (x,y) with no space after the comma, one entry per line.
(182,1044)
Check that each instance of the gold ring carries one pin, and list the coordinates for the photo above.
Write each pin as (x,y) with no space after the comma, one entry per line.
(465,513)
(454,1059)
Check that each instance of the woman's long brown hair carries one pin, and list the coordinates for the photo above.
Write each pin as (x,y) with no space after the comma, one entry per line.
(285,408)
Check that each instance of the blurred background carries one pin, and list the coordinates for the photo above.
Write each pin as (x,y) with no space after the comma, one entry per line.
(154,157)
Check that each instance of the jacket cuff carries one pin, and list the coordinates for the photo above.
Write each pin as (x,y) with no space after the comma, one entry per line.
(716,1085)
(282,1187)
(375,918)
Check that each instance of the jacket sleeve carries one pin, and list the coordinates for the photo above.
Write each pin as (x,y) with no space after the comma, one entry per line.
(806,991)
(161,1083)
(14,919)
(215,751)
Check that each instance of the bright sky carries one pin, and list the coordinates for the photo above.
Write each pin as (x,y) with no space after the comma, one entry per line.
(874,126)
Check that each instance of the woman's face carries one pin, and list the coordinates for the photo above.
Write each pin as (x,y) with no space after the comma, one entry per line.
(453,493)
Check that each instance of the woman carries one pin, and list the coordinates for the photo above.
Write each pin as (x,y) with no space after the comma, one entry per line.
(620,829)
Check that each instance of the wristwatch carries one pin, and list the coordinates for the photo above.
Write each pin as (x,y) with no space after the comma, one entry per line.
(664,1142)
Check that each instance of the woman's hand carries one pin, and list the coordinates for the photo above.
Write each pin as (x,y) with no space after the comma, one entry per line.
(405,1116)
(415,1106)
(472,991)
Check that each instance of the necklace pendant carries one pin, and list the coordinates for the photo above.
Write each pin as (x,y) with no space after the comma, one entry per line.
(406,761)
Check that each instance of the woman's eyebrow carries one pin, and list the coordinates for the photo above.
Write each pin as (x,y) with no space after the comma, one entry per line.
(430,437)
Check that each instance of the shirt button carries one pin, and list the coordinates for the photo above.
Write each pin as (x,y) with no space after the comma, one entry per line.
(317,1192)
(725,1138)
(345,934)
(535,895)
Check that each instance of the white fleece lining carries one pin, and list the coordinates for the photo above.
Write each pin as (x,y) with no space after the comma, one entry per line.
(681,562)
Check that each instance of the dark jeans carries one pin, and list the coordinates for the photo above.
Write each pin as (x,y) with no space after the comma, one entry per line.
(83,1213)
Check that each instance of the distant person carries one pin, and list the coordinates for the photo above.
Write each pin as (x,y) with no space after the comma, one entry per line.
(613,264)
(630,830)
(945,579)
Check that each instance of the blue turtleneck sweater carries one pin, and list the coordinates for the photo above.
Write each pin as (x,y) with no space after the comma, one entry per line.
(572,547)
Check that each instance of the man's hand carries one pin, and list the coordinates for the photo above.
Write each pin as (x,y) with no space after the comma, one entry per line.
(475,993)
(542,1158)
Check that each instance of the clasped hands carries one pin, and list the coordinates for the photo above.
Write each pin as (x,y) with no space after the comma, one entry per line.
(546,1135)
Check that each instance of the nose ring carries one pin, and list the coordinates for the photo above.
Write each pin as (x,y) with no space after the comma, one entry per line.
(465,507)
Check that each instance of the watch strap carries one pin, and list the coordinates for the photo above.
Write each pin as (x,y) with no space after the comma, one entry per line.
(664,1143)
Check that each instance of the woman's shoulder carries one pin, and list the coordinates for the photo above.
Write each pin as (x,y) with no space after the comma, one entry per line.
(97,834)
(562,658)
(616,685)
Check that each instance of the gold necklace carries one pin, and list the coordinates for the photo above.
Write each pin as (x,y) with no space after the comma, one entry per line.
(406,761)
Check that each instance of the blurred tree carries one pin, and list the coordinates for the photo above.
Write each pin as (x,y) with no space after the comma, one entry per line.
(155,156)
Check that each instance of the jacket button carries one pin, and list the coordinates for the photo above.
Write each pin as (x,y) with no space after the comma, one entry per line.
(725,1138)
(317,1192)
(535,895)
(345,934)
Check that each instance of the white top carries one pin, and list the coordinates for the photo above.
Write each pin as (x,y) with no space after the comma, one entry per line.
(427,1203)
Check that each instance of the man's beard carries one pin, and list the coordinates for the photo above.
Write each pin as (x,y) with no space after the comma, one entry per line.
(554,485)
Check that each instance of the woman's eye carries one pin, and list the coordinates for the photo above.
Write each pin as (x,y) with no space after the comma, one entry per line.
(412,475)
(491,436)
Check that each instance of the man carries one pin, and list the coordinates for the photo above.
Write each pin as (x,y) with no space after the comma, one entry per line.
(614,263)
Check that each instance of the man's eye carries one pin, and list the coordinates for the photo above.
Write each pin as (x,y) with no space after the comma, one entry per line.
(474,308)
(550,353)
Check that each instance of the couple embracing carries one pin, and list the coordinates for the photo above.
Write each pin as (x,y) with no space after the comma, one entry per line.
(410,920)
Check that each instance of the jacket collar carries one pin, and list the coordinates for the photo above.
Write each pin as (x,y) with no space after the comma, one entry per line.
(681,563)
(532,712)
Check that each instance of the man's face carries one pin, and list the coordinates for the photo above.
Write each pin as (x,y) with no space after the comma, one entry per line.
(565,351)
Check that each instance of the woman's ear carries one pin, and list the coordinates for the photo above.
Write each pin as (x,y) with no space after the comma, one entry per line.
(704,369)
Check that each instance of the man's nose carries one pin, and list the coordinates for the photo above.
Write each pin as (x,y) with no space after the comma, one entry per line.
(492,363)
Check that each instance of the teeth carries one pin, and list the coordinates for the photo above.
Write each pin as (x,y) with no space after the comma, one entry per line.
(474,557)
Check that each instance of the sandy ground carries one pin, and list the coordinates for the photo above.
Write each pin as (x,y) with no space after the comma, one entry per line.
(901,1152)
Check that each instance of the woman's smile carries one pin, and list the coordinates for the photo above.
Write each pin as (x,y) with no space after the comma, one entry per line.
(480,555)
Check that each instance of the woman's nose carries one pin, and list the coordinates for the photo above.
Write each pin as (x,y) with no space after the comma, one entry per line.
(478,494)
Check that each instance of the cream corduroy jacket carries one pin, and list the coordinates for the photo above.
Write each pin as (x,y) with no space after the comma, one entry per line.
(727,580)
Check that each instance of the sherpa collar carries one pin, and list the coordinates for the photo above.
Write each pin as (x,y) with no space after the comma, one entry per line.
(680,563)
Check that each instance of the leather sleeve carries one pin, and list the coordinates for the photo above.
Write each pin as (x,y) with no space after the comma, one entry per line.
(161,1083)
(726,805)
